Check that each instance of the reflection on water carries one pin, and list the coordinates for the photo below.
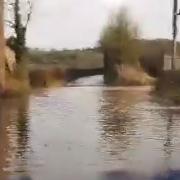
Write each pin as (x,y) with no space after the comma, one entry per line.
(14,136)
(89,133)
(138,130)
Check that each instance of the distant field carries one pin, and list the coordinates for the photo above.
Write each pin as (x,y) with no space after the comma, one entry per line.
(151,58)
(66,59)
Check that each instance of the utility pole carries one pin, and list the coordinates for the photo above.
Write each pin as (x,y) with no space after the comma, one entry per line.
(174,46)
(2,47)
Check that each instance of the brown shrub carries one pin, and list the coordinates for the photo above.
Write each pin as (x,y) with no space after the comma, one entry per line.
(46,77)
(130,76)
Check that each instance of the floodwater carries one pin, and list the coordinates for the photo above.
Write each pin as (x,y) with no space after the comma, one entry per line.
(89,133)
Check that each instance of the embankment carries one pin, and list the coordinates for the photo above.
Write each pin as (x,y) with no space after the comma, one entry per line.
(168,86)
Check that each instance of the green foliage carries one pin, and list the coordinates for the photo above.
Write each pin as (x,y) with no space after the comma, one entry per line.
(120,38)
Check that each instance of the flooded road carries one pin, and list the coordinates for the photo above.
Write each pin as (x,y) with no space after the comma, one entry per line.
(89,133)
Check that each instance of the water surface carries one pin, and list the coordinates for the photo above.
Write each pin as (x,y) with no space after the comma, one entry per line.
(89,133)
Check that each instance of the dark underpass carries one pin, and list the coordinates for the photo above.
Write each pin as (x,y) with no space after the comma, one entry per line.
(73,74)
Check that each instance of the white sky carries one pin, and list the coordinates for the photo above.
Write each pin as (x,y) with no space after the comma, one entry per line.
(77,23)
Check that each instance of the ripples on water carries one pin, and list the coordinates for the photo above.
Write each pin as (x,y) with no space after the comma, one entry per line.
(89,133)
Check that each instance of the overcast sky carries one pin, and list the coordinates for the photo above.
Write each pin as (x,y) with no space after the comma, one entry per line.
(78,23)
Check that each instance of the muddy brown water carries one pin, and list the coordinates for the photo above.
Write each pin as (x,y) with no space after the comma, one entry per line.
(89,133)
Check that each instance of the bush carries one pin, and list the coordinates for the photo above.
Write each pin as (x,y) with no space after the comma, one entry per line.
(120,38)
(134,76)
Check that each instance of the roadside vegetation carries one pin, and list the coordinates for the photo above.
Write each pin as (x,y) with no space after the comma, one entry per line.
(127,59)
(121,49)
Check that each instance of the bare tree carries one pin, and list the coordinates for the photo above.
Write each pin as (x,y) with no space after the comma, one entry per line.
(18,22)
(2,46)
